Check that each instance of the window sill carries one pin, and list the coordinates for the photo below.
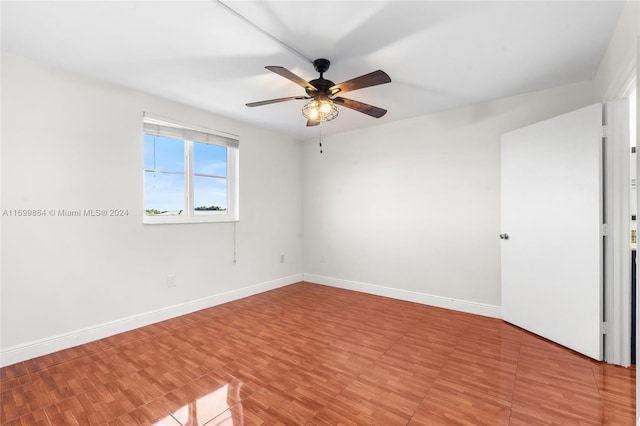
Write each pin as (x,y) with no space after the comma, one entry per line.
(170,220)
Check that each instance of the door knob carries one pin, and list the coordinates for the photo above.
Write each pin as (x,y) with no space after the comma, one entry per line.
(504,236)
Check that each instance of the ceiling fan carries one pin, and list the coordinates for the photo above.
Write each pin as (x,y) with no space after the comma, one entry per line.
(322,93)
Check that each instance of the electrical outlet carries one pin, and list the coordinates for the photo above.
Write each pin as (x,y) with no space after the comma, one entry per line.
(282,258)
(171,280)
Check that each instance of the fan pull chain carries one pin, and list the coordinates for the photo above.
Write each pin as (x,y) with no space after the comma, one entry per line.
(320,137)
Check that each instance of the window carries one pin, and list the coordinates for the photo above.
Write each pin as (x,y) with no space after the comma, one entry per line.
(190,173)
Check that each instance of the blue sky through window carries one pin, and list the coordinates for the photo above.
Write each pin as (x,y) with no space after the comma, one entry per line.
(162,153)
(209,159)
(164,192)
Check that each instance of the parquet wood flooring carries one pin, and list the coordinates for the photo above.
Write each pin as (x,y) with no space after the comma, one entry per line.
(307,354)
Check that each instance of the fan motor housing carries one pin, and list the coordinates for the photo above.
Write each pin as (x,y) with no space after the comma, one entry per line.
(321,65)
(322,84)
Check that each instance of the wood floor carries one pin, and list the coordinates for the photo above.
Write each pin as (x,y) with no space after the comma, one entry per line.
(313,355)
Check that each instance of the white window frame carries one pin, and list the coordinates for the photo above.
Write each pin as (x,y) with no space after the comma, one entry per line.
(189,134)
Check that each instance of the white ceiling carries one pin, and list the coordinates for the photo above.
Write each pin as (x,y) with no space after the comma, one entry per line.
(440,55)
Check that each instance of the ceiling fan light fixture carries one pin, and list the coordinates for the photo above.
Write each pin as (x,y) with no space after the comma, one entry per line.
(320,91)
(320,110)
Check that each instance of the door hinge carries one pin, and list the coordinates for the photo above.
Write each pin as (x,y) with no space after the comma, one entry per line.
(603,328)
(604,130)
(603,229)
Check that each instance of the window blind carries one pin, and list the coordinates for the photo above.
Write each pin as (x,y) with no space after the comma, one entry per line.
(158,127)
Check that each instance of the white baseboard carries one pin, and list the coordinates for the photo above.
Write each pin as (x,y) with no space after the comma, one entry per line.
(59,342)
(483,309)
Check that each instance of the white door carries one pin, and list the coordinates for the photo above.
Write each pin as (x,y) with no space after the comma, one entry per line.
(551,205)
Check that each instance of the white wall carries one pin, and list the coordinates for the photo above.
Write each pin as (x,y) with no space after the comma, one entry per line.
(73,143)
(411,209)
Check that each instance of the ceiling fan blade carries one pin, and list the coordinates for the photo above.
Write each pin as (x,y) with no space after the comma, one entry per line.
(281,71)
(312,123)
(273,101)
(371,110)
(372,79)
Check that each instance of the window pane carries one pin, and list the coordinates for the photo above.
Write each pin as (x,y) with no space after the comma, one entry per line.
(163,193)
(209,195)
(162,153)
(209,159)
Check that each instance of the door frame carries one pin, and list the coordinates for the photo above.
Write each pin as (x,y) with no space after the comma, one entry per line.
(617,217)
(636,81)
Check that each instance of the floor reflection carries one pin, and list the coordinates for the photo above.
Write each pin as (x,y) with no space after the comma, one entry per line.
(220,407)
